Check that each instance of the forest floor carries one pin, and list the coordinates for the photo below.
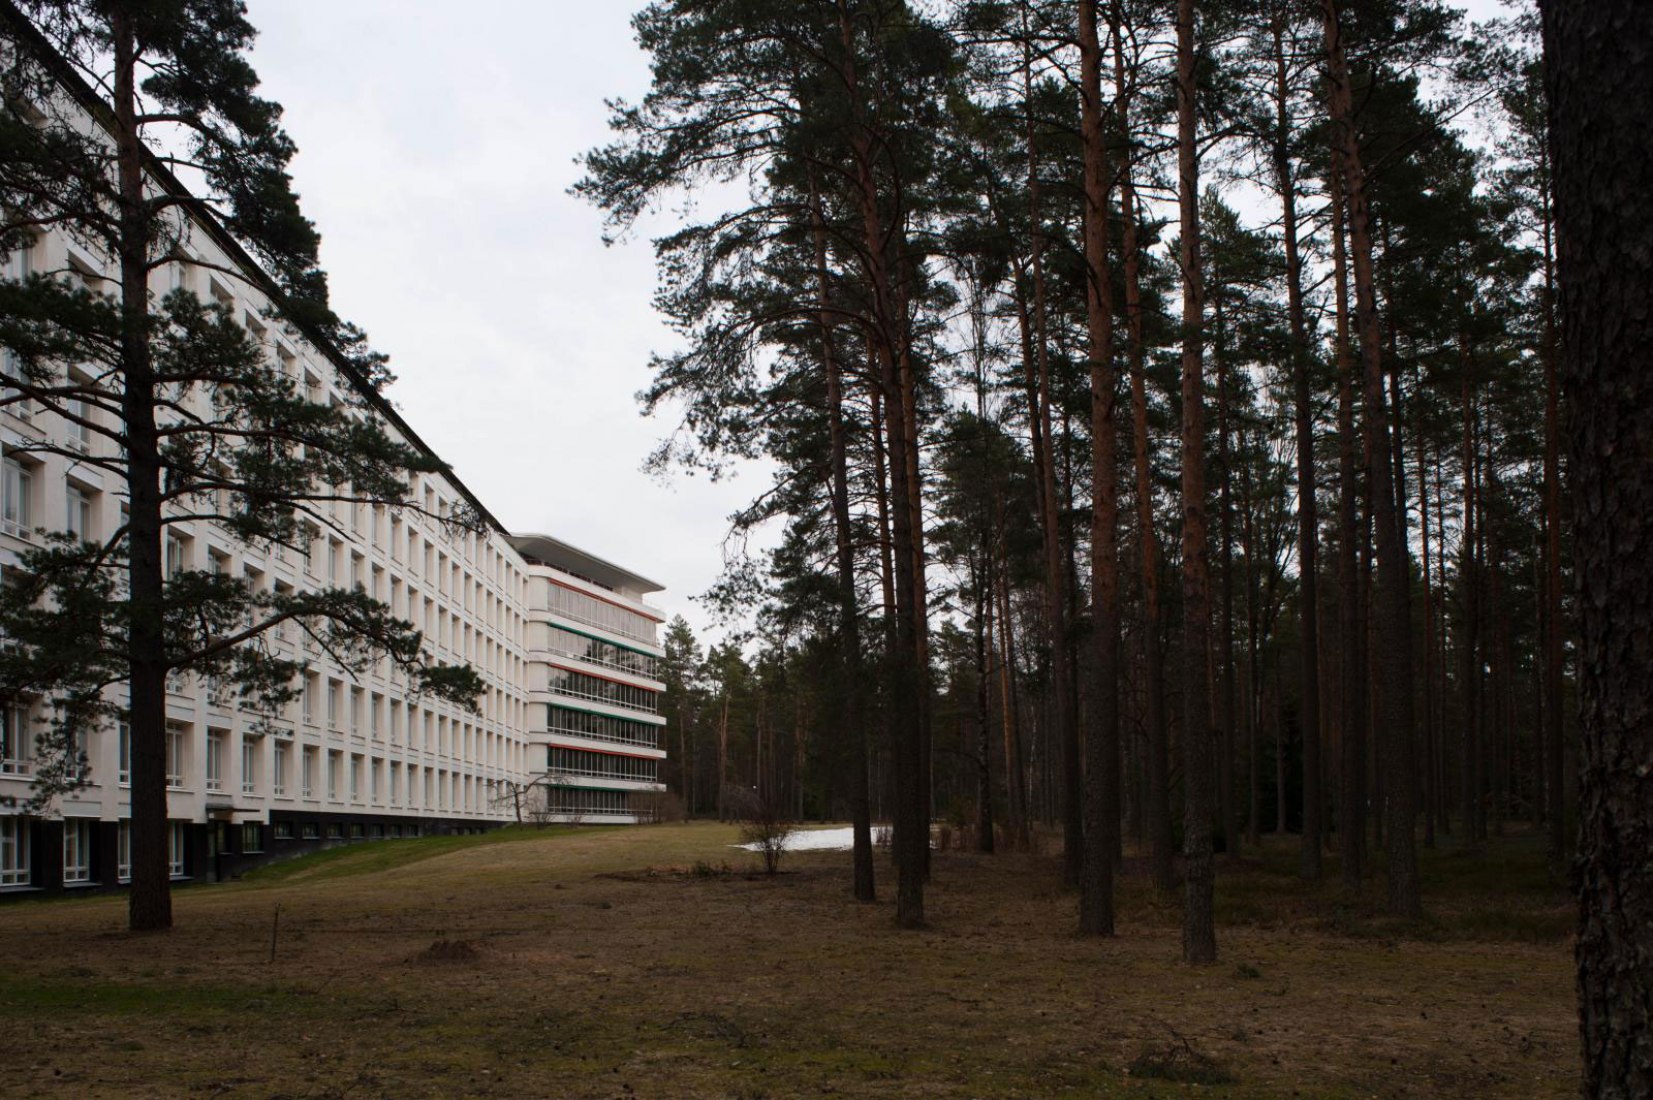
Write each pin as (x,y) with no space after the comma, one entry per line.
(652,962)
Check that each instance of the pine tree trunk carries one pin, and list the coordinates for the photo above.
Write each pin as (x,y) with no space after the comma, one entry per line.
(1394,694)
(1554,623)
(1096,895)
(984,731)
(1199,941)
(849,612)
(1469,634)
(1599,68)
(909,683)
(1351,626)
(1157,780)
(1308,522)
(1063,717)
(1429,789)
(150,901)
(1227,712)
(1015,765)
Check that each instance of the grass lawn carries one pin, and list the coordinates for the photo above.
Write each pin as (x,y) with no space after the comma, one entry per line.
(606,963)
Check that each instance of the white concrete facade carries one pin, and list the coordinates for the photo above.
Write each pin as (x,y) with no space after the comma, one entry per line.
(552,630)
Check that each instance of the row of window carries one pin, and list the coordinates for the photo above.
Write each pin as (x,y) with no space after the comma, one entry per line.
(600,613)
(79,845)
(587,802)
(601,765)
(336,830)
(603,727)
(566,682)
(441,788)
(598,652)
(17,865)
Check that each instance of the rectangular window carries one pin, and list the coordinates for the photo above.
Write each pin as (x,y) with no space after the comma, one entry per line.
(123,851)
(176,556)
(278,770)
(124,734)
(77,850)
(332,704)
(78,520)
(14,851)
(249,765)
(355,778)
(80,435)
(16,740)
(252,837)
(16,491)
(333,776)
(215,761)
(308,778)
(177,841)
(283,830)
(177,735)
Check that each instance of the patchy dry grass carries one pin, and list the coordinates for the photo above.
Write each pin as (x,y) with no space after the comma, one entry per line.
(650,963)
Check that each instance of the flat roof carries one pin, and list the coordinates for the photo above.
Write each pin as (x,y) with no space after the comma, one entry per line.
(557,553)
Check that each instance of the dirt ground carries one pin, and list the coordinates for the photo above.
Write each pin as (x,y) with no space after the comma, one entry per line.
(652,963)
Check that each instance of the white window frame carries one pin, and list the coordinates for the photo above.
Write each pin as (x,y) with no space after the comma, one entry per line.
(177,752)
(14,852)
(215,760)
(17,499)
(17,740)
(77,509)
(77,851)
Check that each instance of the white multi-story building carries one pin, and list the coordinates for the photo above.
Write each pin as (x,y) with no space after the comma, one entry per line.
(566,728)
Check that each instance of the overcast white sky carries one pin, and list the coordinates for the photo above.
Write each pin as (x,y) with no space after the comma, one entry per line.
(437,143)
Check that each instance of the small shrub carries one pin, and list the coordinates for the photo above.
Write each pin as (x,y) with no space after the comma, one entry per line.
(765,824)
(1247,972)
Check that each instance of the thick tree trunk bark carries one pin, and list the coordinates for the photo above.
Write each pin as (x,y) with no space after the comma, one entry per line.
(1599,74)
(1394,694)
(1199,940)
(1096,901)
(149,905)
